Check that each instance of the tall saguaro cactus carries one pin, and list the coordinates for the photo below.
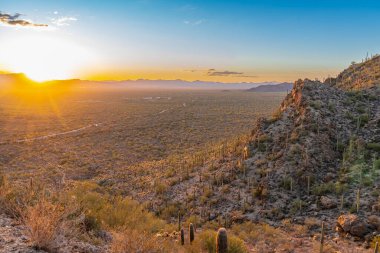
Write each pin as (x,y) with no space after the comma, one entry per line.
(322,237)
(179,221)
(357,201)
(182,236)
(191,232)
(221,241)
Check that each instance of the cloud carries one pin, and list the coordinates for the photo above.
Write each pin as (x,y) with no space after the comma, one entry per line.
(63,21)
(187,8)
(13,20)
(226,73)
(214,72)
(194,23)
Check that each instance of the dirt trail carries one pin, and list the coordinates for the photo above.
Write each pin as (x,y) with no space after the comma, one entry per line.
(51,135)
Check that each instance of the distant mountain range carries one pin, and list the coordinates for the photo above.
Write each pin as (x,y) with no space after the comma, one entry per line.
(20,79)
(281,87)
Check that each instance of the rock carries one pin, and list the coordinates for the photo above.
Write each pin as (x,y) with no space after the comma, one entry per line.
(376,208)
(374,221)
(351,224)
(329,177)
(327,203)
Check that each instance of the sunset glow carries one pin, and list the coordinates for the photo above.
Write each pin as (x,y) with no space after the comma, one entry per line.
(43,58)
(217,41)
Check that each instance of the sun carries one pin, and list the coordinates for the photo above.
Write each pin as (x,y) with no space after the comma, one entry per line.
(44,58)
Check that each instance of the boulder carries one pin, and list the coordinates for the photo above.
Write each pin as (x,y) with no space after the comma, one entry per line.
(353,225)
(374,221)
(376,208)
(327,203)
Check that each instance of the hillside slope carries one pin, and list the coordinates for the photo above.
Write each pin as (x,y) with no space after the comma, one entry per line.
(358,76)
(318,157)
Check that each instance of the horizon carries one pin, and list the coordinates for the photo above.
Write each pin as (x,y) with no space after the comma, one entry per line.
(214,41)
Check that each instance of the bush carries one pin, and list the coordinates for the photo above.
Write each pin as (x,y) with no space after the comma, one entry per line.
(44,224)
(373,146)
(114,212)
(376,164)
(323,189)
(208,242)
(137,241)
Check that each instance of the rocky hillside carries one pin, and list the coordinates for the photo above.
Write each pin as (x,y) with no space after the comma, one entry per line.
(359,76)
(317,157)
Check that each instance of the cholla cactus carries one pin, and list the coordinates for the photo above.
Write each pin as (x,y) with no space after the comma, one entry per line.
(191,232)
(221,241)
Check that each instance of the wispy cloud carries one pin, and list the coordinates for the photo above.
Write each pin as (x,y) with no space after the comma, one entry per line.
(214,72)
(187,8)
(14,20)
(194,23)
(225,73)
(63,21)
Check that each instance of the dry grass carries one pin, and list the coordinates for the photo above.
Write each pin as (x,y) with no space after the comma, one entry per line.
(44,222)
(137,241)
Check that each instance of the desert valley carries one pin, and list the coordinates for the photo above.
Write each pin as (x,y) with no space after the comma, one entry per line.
(189,126)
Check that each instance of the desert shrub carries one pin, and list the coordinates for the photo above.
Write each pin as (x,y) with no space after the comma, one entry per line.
(161,188)
(137,241)
(375,240)
(312,223)
(264,138)
(194,220)
(263,236)
(260,192)
(376,164)
(297,205)
(207,241)
(170,211)
(323,188)
(44,222)
(340,187)
(276,114)
(295,149)
(316,104)
(373,146)
(286,183)
(114,212)
(363,119)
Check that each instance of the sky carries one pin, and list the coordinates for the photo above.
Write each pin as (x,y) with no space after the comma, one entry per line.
(210,40)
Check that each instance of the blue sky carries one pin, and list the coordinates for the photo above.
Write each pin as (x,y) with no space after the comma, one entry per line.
(209,40)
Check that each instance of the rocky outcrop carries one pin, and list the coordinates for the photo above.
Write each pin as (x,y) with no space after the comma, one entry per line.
(353,225)
(374,221)
(327,203)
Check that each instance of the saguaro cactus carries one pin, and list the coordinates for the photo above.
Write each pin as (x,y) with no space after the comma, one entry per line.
(357,201)
(322,238)
(179,221)
(191,232)
(182,236)
(221,241)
